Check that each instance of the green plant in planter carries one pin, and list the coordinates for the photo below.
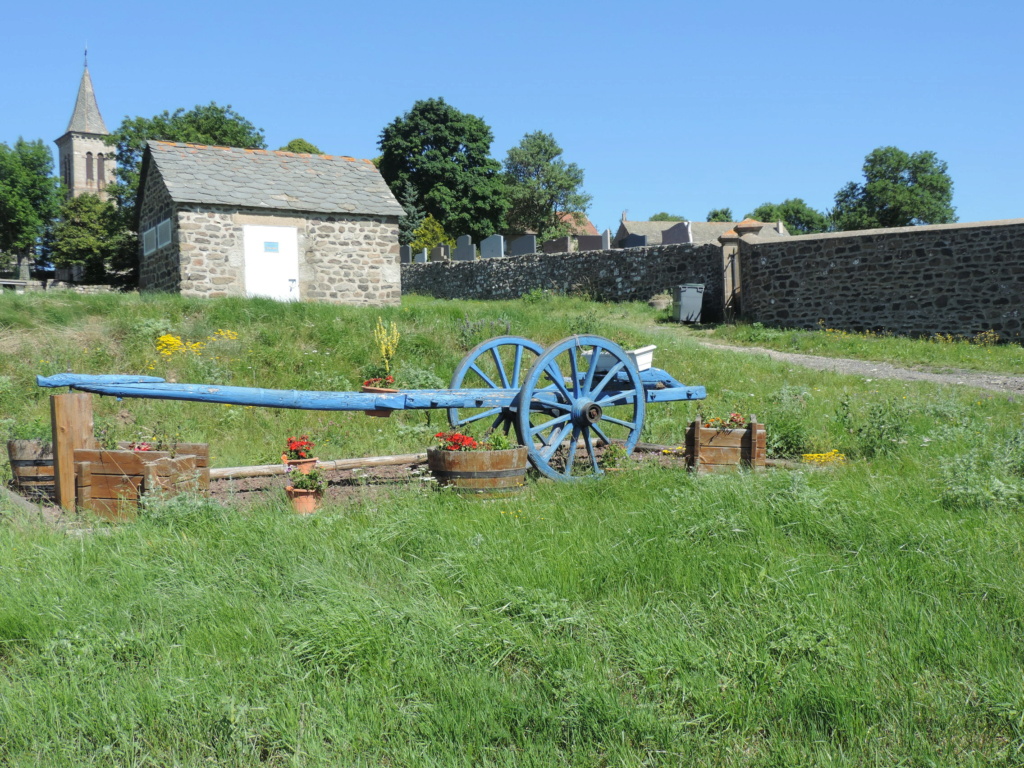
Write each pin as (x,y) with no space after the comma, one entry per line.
(613,456)
(499,441)
(379,372)
(312,481)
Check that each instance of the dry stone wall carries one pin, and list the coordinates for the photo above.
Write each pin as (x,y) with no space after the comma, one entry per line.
(634,274)
(342,259)
(951,278)
(159,271)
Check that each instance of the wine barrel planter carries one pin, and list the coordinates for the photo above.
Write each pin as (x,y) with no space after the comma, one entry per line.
(32,468)
(482,474)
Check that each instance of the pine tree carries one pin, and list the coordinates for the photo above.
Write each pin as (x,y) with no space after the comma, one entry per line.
(408,224)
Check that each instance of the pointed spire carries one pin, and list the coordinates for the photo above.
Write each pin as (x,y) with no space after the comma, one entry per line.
(87,118)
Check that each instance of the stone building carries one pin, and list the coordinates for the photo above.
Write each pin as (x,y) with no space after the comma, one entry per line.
(637,233)
(85,162)
(221,221)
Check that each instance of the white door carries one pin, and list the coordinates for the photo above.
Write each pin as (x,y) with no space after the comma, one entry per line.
(271,262)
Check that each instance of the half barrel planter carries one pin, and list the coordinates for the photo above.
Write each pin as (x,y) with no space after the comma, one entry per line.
(716,450)
(32,468)
(481,474)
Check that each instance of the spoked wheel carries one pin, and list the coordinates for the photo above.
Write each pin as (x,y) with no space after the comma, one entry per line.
(582,392)
(499,363)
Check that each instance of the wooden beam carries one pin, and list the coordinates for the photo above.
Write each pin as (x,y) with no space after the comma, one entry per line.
(268,470)
(72,425)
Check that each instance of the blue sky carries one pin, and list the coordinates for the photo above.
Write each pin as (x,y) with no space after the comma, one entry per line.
(674,106)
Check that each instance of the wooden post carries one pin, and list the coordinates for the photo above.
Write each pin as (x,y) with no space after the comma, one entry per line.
(71,422)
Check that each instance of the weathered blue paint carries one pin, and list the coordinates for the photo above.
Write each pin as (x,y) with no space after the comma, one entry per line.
(155,388)
(497,363)
(566,402)
(553,430)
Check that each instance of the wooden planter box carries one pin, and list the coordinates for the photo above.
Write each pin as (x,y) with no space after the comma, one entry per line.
(110,483)
(715,450)
(32,468)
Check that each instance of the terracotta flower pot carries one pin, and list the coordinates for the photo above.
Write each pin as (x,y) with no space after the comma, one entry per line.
(303,502)
(302,465)
(381,413)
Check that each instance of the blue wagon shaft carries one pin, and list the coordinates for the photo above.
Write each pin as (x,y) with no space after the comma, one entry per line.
(562,402)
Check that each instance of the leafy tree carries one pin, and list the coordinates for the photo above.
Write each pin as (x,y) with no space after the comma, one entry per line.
(542,188)
(30,196)
(429,235)
(209,124)
(899,190)
(798,216)
(720,214)
(301,146)
(663,216)
(89,232)
(408,224)
(445,155)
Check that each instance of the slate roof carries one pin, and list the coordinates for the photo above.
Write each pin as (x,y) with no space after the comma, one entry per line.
(86,118)
(280,181)
(652,229)
(709,231)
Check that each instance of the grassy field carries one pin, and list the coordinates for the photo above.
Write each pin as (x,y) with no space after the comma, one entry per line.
(869,613)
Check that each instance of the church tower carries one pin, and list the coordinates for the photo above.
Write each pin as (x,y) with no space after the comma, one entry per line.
(85,162)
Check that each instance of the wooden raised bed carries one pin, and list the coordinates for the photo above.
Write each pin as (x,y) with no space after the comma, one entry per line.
(110,483)
(715,450)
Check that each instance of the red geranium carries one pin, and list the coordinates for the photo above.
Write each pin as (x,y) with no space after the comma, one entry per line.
(299,448)
(456,441)
(381,382)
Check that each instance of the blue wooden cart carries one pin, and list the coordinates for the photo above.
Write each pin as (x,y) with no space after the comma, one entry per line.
(562,402)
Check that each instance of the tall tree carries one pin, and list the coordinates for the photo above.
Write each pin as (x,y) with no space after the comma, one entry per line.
(209,124)
(445,155)
(89,233)
(542,189)
(663,216)
(408,224)
(899,190)
(798,216)
(30,197)
(301,146)
(720,214)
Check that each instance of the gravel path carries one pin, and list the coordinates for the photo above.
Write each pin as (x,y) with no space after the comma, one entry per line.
(999,382)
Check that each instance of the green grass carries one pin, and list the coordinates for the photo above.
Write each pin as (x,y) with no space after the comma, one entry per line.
(869,614)
(977,353)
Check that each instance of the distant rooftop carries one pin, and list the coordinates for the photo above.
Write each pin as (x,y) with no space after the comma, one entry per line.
(258,178)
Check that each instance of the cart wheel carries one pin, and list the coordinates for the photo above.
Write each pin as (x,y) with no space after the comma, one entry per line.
(499,363)
(597,396)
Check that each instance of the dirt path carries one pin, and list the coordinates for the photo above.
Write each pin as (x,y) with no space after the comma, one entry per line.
(999,382)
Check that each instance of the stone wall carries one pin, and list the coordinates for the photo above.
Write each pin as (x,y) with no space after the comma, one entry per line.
(345,259)
(160,270)
(36,286)
(950,278)
(633,274)
(353,260)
